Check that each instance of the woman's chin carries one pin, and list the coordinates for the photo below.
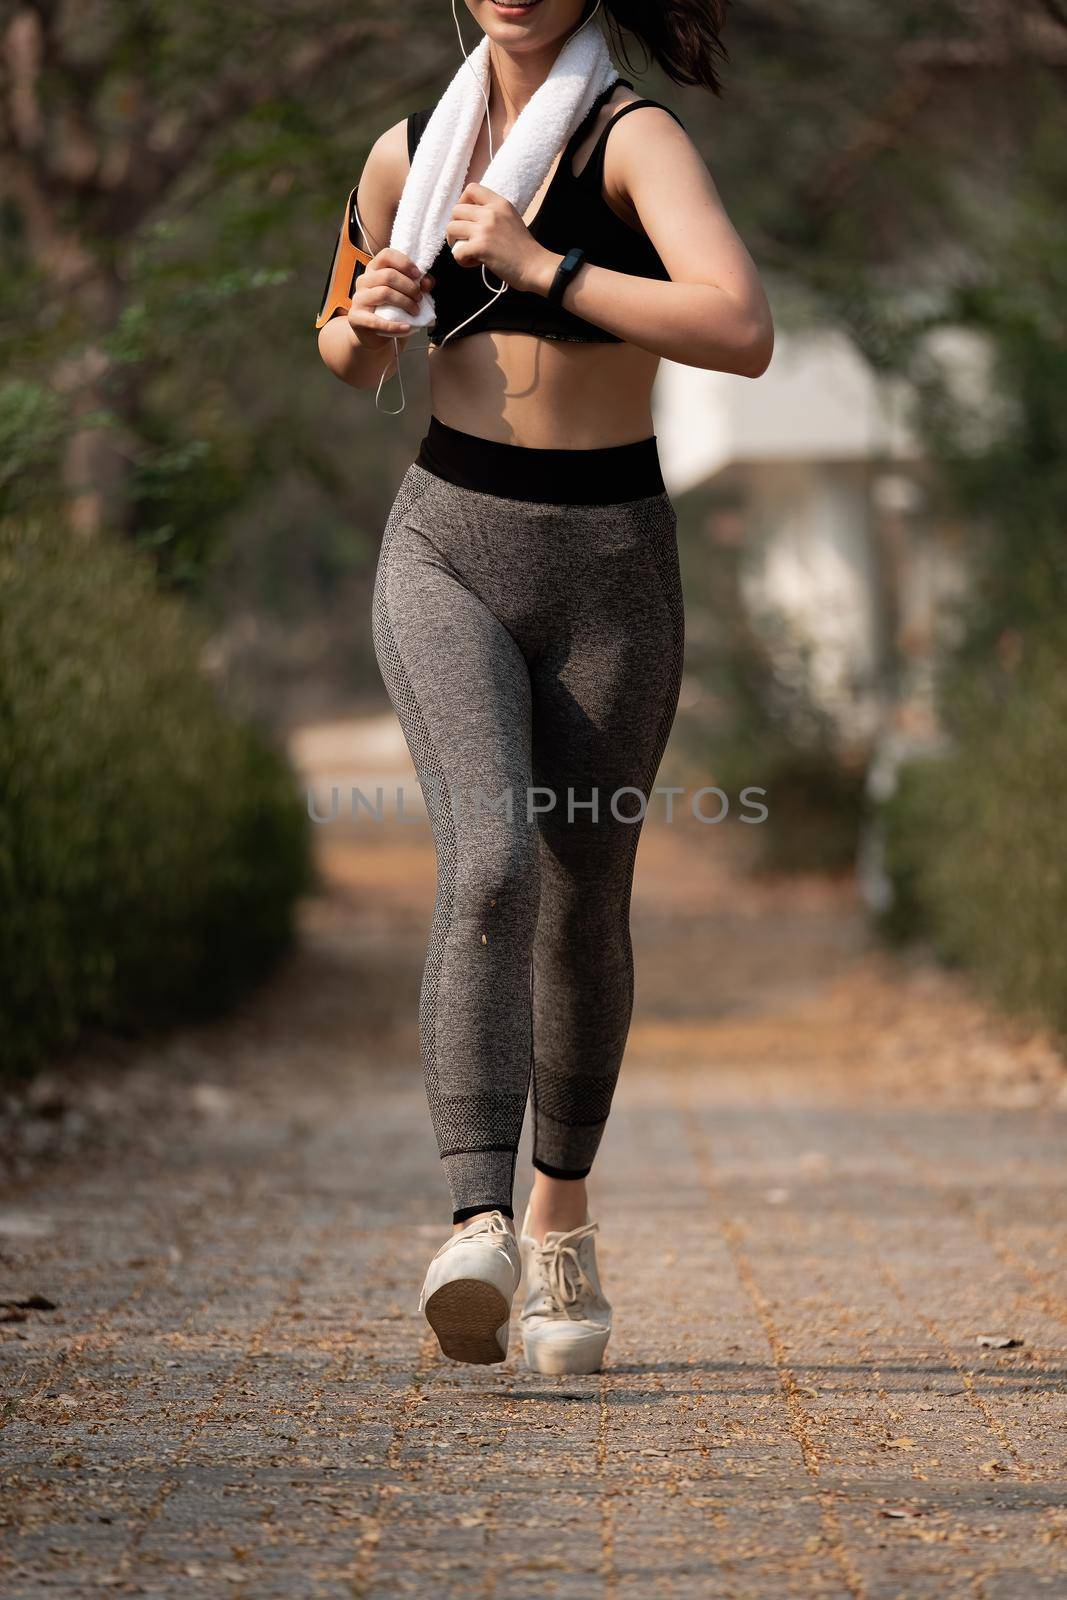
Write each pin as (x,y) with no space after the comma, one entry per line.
(515,27)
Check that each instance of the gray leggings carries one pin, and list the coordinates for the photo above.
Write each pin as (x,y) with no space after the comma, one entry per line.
(532,650)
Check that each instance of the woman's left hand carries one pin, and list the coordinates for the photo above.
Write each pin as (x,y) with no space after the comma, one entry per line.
(488,231)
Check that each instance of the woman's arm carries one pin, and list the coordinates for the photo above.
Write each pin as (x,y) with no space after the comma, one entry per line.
(712,314)
(358,347)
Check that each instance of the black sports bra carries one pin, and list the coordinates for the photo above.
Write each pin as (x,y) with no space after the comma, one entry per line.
(572,212)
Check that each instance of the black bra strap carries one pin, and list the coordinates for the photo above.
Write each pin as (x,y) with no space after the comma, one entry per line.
(632,105)
(417,121)
(593,170)
(583,127)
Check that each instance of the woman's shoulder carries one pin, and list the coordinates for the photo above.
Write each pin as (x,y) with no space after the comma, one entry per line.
(621,94)
(382,180)
(647,108)
(645,127)
(616,108)
(390,148)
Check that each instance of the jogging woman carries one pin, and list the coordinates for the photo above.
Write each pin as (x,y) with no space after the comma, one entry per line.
(528,625)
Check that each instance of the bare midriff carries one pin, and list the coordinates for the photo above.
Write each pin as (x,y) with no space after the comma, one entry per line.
(550,394)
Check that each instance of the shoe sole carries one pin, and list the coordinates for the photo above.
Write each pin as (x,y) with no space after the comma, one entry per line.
(465,1315)
(556,1362)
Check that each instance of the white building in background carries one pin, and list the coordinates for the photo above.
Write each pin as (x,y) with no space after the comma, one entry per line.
(829,485)
(817,401)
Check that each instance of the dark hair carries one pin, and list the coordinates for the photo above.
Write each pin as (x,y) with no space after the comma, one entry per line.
(681,36)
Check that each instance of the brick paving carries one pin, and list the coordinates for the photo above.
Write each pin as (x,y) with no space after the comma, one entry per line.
(827,1173)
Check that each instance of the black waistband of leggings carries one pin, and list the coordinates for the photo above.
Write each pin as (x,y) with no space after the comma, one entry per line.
(603,476)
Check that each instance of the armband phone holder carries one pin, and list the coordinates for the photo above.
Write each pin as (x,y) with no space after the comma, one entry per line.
(348,258)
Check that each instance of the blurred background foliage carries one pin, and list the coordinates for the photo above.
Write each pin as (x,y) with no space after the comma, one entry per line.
(152,845)
(171,183)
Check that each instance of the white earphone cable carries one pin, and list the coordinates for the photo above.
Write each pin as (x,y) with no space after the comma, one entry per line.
(503,285)
(496,293)
(397,352)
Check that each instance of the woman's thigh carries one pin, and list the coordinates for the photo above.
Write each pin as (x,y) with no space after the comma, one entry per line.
(605,691)
(461,690)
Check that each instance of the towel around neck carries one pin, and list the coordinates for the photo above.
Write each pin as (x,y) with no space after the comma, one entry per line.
(582,70)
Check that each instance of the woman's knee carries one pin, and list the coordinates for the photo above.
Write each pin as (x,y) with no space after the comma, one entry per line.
(498,880)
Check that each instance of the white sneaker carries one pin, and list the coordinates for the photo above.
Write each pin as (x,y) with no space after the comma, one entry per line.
(566,1321)
(469,1287)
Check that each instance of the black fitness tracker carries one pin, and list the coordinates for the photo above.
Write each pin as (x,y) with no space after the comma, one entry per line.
(564,273)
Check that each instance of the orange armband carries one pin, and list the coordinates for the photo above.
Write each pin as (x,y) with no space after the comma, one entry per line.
(347,260)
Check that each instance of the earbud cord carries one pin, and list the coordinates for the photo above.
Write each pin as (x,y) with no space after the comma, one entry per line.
(397,352)
(496,293)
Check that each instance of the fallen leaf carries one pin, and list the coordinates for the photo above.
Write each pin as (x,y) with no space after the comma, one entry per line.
(998,1341)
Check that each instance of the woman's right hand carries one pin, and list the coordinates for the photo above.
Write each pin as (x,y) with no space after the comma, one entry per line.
(390,279)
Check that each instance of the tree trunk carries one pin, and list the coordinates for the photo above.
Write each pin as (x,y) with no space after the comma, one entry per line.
(97,454)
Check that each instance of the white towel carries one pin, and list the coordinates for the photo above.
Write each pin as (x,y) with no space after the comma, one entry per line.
(582,70)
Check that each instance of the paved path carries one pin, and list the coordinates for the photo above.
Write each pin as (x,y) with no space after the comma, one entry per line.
(826,1175)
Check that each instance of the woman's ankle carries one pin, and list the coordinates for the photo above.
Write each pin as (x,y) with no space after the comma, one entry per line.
(557,1205)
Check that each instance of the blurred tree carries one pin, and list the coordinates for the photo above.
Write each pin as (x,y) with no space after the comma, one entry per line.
(121,126)
(899,173)
(171,181)
(1003,445)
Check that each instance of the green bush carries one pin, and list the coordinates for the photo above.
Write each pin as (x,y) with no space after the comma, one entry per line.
(976,840)
(152,847)
(908,827)
(814,798)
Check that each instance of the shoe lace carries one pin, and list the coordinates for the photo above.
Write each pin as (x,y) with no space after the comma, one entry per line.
(565,1278)
(492,1223)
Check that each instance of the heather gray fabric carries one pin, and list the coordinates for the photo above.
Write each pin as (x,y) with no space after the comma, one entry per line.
(527,644)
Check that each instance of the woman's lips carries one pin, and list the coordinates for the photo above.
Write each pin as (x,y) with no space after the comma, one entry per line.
(515,10)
